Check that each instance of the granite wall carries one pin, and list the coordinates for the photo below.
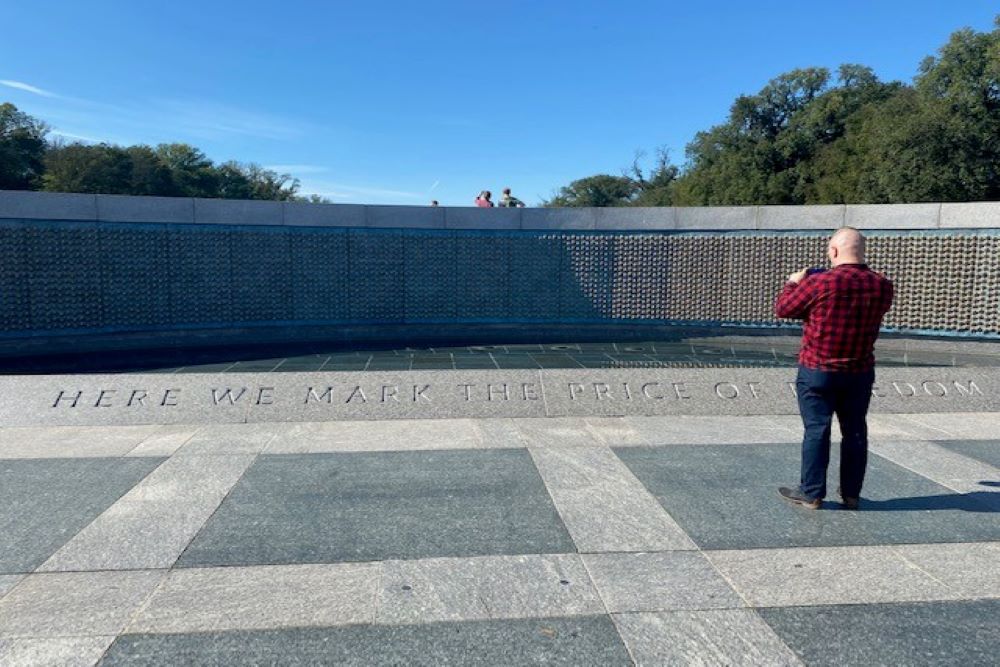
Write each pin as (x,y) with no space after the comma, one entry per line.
(86,264)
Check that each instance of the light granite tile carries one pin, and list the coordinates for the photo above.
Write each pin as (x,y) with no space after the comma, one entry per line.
(77,603)
(825,575)
(971,570)
(605,508)
(229,439)
(388,435)
(616,431)
(712,637)
(8,581)
(556,432)
(659,582)
(959,425)
(150,526)
(880,426)
(70,441)
(943,466)
(713,430)
(499,432)
(454,589)
(241,598)
(166,441)
(53,651)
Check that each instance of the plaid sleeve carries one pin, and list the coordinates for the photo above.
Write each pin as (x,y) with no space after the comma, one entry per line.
(795,300)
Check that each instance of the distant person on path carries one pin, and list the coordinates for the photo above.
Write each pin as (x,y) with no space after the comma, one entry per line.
(510,201)
(484,200)
(842,309)
(434,202)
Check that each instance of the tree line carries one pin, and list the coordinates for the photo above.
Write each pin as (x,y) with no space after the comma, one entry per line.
(806,138)
(30,160)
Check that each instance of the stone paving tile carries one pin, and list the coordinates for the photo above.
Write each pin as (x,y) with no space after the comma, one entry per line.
(921,633)
(556,432)
(659,582)
(986,451)
(958,425)
(616,431)
(726,497)
(53,651)
(712,637)
(308,508)
(70,441)
(582,640)
(229,439)
(696,430)
(452,589)
(604,507)
(44,502)
(880,426)
(150,526)
(498,432)
(166,441)
(243,598)
(937,462)
(8,581)
(74,603)
(388,435)
(827,575)
(971,570)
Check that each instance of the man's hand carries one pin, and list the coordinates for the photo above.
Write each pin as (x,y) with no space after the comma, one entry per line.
(798,276)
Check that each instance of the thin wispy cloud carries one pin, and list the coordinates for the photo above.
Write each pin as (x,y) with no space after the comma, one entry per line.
(77,137)
(20,85)
(297,168)
(434,187)
(351,193)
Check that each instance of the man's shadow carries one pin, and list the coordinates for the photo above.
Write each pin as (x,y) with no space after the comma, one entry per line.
(974,501)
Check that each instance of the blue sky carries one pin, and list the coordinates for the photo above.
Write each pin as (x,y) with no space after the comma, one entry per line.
(404,102)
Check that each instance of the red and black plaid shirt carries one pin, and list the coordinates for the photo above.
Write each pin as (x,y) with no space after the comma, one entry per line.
(842,309)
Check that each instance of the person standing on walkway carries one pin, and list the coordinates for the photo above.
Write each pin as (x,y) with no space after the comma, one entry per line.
(510,201)
(842,311)
(485,199)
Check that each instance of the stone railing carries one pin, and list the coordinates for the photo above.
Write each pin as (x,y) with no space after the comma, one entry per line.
(173,269)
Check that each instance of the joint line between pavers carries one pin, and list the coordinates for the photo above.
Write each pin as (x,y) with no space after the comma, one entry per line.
(139,444)
(211,514)
(729,582)
(945,482)
(140,608)
(897,549)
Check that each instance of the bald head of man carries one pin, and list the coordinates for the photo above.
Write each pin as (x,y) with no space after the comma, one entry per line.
(846,246)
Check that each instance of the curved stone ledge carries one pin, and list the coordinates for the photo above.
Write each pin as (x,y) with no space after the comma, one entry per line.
(248,397)
(120,208)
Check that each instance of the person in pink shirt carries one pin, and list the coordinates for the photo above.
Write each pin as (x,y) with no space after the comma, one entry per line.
(483,200)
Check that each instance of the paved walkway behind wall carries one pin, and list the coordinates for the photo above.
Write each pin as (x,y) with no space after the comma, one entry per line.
(649,540)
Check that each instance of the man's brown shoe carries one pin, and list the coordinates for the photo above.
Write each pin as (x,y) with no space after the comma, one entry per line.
(849,502)
(795,496)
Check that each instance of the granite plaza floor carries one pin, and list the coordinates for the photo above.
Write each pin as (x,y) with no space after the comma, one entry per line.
(596,541)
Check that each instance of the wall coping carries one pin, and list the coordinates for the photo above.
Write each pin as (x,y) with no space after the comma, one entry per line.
(24,205)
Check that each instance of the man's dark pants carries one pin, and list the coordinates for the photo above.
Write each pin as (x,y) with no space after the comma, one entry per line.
(822,394)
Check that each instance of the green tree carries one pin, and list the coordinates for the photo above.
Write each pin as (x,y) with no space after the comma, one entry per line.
(150,176)
(100,168)
(22,149)
(599,190)
(193,174)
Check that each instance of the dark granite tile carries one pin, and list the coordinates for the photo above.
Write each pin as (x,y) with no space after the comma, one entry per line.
(516,361)
(725,497)
(911,633)
(987,451)
(584,640)
(320,508)
(474,362)
(45,502)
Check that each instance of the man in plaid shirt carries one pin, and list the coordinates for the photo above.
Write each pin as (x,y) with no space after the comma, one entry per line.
(842,310)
